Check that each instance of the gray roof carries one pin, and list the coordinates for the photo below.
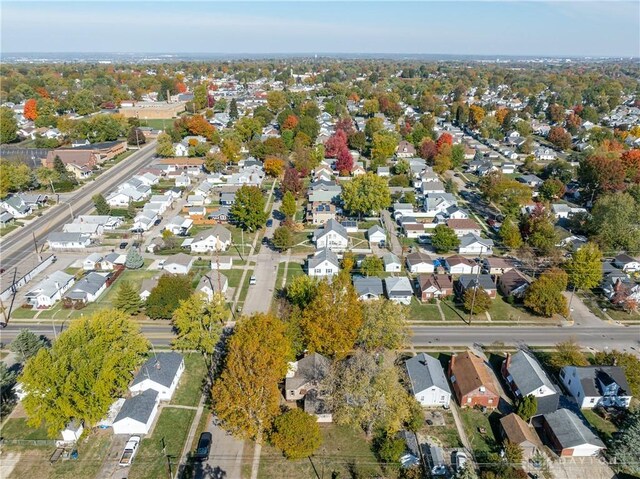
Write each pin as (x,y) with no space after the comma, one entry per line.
(369,285)
(311,369)
(160,368)
(331,225)
(213,281)
(60,237)
(222,233)
(398,286)
(90,284)
(148,284)
(483,280)
(471,238)
(322,255)
(570,429)
(48,287)
(180,258)
(527,373)
(424,372)
(390,258)
(590,375)
(375,229)
(138,407)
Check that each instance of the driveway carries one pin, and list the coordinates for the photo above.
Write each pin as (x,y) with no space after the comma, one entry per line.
(390,226)
(225,460)
(582,315)
(573,467)
(110,467)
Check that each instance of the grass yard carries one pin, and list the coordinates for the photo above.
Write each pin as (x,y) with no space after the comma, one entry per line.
(344,453)
(158,124)
(604,428)
(173,426)
(294,270)
(503,311)
(190,387)
(16,428)
(23,313)
(454,312)
(34,460)
(8,229)
(447,435)
(474,420)
(280,275)
(233,275)
(424,311)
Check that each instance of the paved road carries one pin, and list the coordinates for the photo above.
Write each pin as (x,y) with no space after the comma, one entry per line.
(19,245)
(225,460)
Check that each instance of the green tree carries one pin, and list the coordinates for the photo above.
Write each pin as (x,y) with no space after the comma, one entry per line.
(567,353)
(200,96)
(467,472)
(128,299)
(383,146)
(26,344)
(88,367)
(457,155)
(372,266)
(246,397)
(8,126)
(198,325)
(551,189)
(625,446)
(102,207)
(389,448)
(296,434)
(366,194)
(444,239)
(248,209)
(629,363)
(585,267)
(384,326)
(482,302)
(527,407)
(164,145)
(233,109)
(289,206)
(616,221)
(544,295)
(510,233)
(166,296)
(301,290)
(331,321)
(7,382)
(136,137)
(134,259)
(282,238)
(83,102)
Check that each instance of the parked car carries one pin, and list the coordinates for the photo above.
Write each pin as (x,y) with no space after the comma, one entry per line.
(253,280)
(461,460)
(269,223)
(204,446)
(123,245)
(157,222)
(130,450)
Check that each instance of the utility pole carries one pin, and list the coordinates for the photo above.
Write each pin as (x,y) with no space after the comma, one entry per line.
(475,289)
(35,245)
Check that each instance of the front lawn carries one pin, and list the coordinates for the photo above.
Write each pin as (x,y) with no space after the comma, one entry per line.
(190,387)
(344,453)
(294,270)
(172,428)
(23,313)
(424,311)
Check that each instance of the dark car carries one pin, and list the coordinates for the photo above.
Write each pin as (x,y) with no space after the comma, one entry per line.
(123,245)
(157,222)
(269,223)
(204,446)
(265,240)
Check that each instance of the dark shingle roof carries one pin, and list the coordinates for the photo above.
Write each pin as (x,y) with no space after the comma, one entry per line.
(424,372)
(570,429)
(161,369)
(590,375)
(138,407)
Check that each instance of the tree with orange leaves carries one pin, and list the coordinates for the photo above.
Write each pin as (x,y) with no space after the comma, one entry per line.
(631,161)
(198,125)
(181,87)
(444,139)
(42,93)
(273,166)
(290,123)
(31,109)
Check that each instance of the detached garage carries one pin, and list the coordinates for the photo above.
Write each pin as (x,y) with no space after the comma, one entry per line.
(137,414)
(569,435)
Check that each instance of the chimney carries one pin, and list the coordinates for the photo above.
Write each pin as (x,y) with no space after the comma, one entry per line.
(157,365)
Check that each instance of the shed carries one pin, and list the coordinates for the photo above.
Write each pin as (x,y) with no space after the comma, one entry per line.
(72,431)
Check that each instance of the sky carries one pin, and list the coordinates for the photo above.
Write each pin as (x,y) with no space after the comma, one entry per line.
(538,28)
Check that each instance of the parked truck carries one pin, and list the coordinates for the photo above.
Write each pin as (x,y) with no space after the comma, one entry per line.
(130,450)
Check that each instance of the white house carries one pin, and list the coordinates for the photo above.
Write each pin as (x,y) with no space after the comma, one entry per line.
(179,263)
(161,372)
(179,225)
(428,381)
(217,238)
(212,283)
(137,414)
(60,240)
(391,263)
(420,263)
(332,236)
(91,262)
(49,290)
(399,289)
(626,263)
(457,264)
(183,180)
(435,203)
(324,263)
(472,244)
(593,386)
(376,234)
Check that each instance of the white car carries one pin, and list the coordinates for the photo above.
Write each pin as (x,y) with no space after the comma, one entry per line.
(461,460)
(252,280)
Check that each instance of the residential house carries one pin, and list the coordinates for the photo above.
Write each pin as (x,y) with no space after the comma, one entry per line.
(81,172)
(457,265)
(513,283)
(324,263)
(473,383)
(432,187)
(217,238)
(411,228)
(222,263)
(227,198)
(473,244)
(88,289)
(137,414)
(455,213)
(531,180)
(593,386)
(211,284)
(16,206)
(516,431)
(324,192)
(69,241)
(496,266)
(332,236)
(320,213)
(161,373)
(182,180)
(420,262)
(147,286)
(383,171)
(92,262)
(568,434)
(368,288)
(435,203)
(303,382)
(191,166)
(434,286)
(399,289)
(391,263)
(178,225)
(111,261)
(626,263)
(6,218)
(428,382)
(221,215)
(107,222)
(49,290)
(178,263)
(401,210)
(525,377)
(464,227)
(405,150)
(376,234)
(472,281)
(544,154)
